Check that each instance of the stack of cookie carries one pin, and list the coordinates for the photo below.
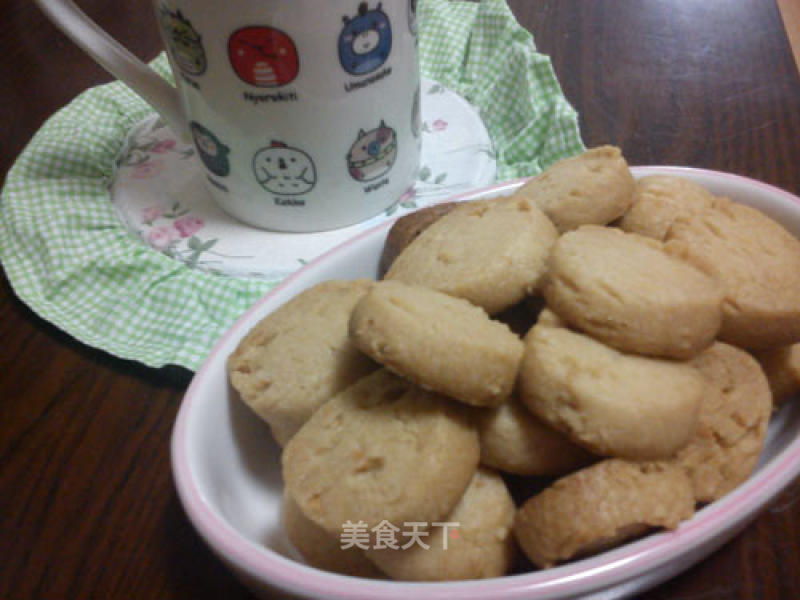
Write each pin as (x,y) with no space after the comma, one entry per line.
(590,333)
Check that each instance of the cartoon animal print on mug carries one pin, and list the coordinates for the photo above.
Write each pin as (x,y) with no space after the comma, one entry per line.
(263,56)
(366,40)
(373,153)
(184,42)
(213,152)
(283,170)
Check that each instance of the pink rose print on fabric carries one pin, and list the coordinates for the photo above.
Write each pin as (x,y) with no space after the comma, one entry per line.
(151,213)
(439,125)
(163,146)
(147,170)
(188,226)
(163,236)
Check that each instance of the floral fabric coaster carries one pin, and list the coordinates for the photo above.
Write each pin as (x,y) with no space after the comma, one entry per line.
(159,193)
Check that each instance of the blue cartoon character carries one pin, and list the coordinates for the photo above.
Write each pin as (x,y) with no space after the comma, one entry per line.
(213,153)
(365,41)
(373,153)
(184,42)
(283,170)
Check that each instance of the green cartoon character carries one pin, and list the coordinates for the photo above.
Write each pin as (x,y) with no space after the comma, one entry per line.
(211,150)
(185,44)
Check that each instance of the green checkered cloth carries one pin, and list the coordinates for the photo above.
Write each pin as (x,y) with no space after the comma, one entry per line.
(481,51)
(69,257)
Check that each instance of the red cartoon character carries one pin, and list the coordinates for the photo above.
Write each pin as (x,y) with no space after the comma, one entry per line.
(263,56)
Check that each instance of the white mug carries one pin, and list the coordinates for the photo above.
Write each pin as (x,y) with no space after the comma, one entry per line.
(304,113)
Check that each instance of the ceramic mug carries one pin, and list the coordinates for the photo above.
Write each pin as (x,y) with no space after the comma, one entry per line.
(304,113)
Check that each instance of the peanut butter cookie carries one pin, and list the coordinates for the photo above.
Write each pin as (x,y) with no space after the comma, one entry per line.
(407,228)
(490,252)
(624,290)
(732,424)
(595,187)
(322,549)
(440,342)
(756,261)
(515,441)
(614,404)
(659,200)
(600,507)
(382,449)
(299,356)
(473,542)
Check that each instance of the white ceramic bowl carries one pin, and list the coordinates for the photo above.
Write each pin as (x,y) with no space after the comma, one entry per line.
(227,468)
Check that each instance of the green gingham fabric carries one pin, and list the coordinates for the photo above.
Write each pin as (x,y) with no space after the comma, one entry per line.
(484,54)
(68,256)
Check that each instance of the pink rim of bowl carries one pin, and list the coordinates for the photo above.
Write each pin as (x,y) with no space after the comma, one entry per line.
(612,568)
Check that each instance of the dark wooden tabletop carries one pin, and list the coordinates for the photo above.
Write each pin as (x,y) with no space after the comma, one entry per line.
(87,504)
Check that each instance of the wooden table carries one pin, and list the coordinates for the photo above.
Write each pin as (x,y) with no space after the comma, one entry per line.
(87,505)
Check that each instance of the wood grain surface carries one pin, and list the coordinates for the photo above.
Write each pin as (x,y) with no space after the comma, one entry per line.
(87,504)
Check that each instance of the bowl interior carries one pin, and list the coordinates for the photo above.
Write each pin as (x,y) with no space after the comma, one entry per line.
(227,467)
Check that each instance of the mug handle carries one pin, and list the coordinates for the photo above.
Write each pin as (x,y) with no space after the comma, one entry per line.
(104,49)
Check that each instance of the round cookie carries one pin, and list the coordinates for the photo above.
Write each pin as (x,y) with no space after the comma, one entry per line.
(321,549)
(659,200)
(382,449)
(299,356)
(595,187)
(732,424)
(438,341)
(782,368)
(474,541)
(612,403)
(622,289)
(756,261)
(514,441)
(601,506)
(490,252)
(407,228)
